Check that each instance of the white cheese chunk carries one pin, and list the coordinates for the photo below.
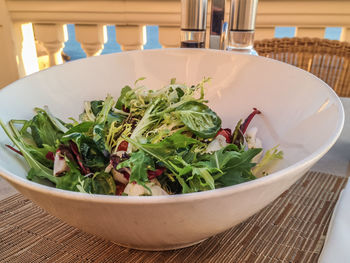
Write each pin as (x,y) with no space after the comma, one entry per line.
(133,189)
(218,143)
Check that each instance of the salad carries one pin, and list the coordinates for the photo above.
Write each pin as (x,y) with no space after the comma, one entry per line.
(146,142)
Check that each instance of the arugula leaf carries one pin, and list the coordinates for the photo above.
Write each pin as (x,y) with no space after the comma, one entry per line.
(39,154)
(25,136)
(188,154)
(139,162)
(170,144)
(164,160)
(42,130)
(36,176)
(39,169)
(203,172)
(230,157)
(181,170)
(84,127)
(232,177)
(165,148)
(59,124)
(234,166)
(165,152)
(199,118)
(229,165)
(70,179)
(197,174)
(225,156)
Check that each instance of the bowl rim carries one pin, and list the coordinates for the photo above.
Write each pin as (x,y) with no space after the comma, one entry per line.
(140,200)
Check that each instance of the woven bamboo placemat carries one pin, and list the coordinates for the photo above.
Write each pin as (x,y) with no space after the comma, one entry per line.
(291,229)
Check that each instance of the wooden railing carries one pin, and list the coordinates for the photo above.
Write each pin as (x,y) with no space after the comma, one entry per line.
(26,23)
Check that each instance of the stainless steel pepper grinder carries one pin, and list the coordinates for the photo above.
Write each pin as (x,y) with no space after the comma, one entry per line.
(242,26)
(193,23)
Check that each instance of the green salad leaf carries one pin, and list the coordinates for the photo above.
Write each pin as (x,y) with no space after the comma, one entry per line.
(41,130)
(103,183)
(70,179)
(271,156)
(139,162)
(40,170)
(199,118)
(235,165)
(98,183)
(124,98)
(170,144)
(167,137)
(93,157)
(96,106)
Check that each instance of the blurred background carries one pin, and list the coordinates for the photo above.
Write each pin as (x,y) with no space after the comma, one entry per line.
(73,48)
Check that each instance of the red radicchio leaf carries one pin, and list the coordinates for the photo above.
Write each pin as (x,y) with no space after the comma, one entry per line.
(246,122)
(226,133)
(114,160)
(120,189)
(156,173)
(13,149)
(123,146)
(50,156)
(127,110)
(125,173)
(75,150)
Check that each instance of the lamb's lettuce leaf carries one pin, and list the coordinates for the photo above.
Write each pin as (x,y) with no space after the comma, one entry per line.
(199,118)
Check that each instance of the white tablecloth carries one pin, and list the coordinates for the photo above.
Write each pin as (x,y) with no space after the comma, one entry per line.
(337,246)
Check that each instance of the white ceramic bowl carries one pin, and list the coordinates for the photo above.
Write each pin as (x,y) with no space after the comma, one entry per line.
(300,113)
